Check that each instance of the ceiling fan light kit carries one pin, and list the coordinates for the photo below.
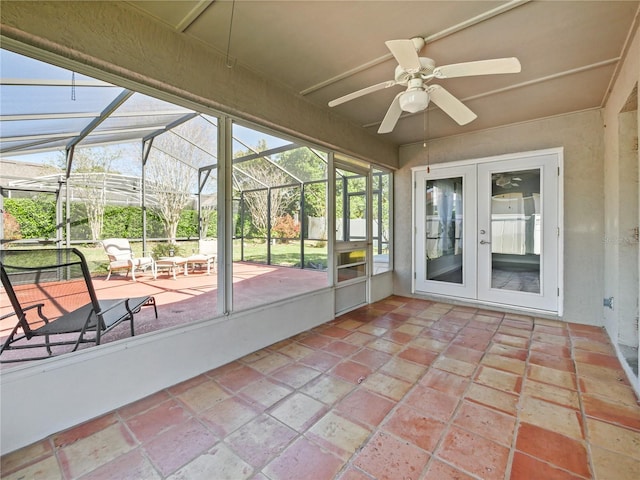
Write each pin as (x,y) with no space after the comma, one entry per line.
(415,72)
(413,101)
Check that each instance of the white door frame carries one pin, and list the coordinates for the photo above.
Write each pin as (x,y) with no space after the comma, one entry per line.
(439,170)
(351,293)
(466,289)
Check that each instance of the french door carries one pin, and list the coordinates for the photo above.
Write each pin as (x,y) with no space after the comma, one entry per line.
(489,231)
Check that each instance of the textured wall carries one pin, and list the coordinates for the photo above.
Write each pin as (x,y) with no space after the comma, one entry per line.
(621,159)
(581,135)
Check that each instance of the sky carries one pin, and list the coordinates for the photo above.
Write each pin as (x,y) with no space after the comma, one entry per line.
(73,99)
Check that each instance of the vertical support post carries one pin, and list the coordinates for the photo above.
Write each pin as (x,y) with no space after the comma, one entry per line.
(369,228)
(346,214)
(379,192)
(146,150)
(2,234)
(330,213)
(269,226)
(225,215)
(199,203)
(302,197)
(242,226)
(67,223)
(59,215)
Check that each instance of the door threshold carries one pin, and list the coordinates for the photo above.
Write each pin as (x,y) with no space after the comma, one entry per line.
(499,307)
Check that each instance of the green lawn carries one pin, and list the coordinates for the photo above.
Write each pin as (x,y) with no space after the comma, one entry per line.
(288,255)
(282,254)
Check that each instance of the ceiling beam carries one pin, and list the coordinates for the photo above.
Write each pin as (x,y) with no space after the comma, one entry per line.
(193,15)
(112,107)
(174,124)
(494,12)
(573,71)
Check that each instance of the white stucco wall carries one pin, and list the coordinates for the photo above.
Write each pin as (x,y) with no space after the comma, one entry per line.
(621,159)
(46,397)
(581,136)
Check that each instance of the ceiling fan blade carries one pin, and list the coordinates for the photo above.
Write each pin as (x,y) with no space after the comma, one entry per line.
(451,105)
(392,116)
(481,67)
(360,93)
(405,54)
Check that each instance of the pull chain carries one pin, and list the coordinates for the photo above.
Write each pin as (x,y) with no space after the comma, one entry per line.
(233,9)
(425,128)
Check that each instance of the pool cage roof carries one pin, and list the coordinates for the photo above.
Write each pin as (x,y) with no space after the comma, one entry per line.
(45,108)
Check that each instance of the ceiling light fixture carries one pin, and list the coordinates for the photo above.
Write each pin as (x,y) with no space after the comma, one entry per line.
(413,101)
(415,98)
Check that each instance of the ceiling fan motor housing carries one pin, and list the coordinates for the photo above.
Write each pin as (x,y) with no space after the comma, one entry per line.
(427,66)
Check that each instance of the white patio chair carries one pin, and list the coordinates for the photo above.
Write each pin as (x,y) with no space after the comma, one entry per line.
(121,257)
(207,251)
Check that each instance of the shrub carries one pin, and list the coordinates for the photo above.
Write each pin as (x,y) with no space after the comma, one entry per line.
(11,227)
(165,250)
(286,227)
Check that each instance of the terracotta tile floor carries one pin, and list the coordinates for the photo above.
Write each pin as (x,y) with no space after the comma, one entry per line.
(401,389)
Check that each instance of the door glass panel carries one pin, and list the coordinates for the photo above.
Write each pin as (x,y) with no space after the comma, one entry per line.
(381,227)
(351,200)
(516,230)
(443,230)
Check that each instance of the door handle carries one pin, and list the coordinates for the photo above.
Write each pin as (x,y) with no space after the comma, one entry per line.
(484,242)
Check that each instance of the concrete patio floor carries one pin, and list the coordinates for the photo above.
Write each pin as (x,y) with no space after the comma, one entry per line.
(188,298)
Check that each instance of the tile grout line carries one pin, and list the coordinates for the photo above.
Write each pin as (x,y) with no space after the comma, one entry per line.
(519,404)
(462,397)
(377,429)
(583,415)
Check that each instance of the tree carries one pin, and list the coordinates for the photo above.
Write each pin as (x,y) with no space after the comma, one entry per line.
(308,167)
(91,167)
(209,215)
(169,181)
(171,171)
(260,177)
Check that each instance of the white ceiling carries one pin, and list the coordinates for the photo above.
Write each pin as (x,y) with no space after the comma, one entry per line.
(569,51)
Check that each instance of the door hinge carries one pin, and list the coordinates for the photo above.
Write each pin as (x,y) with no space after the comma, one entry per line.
(558,232)
(558,291)
(558,171)
(414,275)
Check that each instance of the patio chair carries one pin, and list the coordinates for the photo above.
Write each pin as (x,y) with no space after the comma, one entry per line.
(55,303)
(207,251)
(121,257)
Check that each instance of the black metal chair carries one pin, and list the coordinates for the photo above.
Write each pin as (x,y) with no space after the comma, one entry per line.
(53,298)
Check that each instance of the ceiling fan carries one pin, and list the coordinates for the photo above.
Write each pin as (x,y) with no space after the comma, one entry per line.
(416,72)
(505,181)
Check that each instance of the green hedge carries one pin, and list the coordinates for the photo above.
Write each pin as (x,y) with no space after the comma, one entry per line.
(36,218)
